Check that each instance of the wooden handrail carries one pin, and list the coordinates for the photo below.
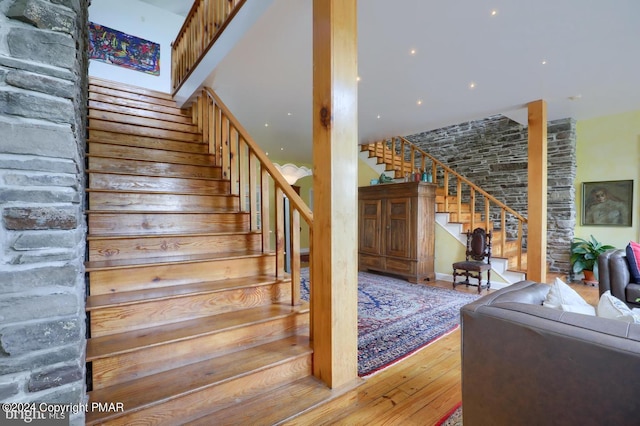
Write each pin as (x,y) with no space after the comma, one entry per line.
(206,20)
(403,157)
(468,182)
(282,183)
(250,172)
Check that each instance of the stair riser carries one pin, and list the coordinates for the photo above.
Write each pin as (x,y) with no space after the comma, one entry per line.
(146,154)
(465,217)
(99,164)
(169,118)
(112,201)
(142,248)
(466,226)
(513,262)
(197,404)
(453,207)
(121,319)
(141,121)
(100,136)
(144,131)
(146,277)
(117,182)
(165,223)
(121,368)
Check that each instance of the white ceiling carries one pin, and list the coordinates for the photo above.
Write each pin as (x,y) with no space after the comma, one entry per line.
(179,7)
(591,49)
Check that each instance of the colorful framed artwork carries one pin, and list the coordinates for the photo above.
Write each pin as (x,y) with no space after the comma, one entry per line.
(607,203)
(124,50)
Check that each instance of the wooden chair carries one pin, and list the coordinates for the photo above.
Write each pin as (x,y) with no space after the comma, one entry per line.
(478,259)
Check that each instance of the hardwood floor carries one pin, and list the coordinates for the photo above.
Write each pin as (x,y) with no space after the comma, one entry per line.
(419,390)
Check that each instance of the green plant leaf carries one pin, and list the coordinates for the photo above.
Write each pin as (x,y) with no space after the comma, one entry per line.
(584,254)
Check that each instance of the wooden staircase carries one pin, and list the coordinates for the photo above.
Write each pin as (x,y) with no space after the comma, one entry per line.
(187,319)
(401,158)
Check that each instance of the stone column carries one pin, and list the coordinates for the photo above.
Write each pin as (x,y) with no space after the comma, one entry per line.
(43,85)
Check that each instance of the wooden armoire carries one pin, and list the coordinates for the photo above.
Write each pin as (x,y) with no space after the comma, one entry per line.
(397,229)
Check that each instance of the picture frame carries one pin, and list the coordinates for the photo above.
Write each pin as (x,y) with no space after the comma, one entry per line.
(117,48)
(607,203)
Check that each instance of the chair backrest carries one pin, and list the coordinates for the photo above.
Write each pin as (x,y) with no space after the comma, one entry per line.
(479,245)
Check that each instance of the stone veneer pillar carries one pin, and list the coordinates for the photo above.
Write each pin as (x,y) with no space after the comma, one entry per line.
(43,102)
(492,153)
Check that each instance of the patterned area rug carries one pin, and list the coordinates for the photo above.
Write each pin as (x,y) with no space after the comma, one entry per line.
(397,318)
(453,418)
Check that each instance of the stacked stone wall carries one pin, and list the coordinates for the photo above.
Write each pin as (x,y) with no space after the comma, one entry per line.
(43,86)
(492,153)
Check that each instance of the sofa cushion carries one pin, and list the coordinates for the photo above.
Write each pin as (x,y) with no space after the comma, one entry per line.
(611,307)
(564,298)
(633,257)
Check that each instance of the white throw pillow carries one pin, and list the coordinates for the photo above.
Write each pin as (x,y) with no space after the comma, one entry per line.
(614,308)
(564,298)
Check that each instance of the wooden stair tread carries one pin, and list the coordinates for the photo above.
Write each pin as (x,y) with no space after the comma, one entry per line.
(121,117)
(106,105)
(113,344)
(158,192)
(118,173)
(139,94)
(117,138)
(119,201)
(138,104)
(145,167)
(147,212)
(152,294)
(293,399)
(161,387)
(142,153)
(134,129)
(94,237)
(101,265)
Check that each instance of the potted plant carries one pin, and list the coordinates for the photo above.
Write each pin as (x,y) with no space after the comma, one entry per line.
(584,256)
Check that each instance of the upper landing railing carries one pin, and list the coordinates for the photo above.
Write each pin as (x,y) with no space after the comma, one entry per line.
(202,27)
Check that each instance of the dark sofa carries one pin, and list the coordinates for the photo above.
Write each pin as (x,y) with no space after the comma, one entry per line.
(614,275)
(527,364)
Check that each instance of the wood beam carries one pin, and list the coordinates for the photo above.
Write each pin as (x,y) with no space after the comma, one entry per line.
(334,261)
(537,196)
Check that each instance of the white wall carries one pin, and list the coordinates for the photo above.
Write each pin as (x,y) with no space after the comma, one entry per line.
(140,20)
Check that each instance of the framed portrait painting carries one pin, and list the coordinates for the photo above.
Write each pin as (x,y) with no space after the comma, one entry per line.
(607,203)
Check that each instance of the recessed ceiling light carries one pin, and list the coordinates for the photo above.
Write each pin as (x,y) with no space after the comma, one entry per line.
(281,148)
(544,62)
(378,116)
(358,78)
(472,85)
(266,124)
(289,114)
(419,102)
(494,12)
(412,52)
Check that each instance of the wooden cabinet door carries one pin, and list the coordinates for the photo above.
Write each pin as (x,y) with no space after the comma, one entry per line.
(398,227)
(370,229)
